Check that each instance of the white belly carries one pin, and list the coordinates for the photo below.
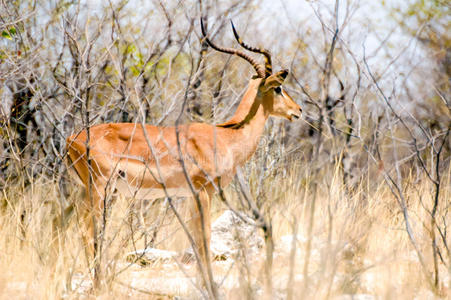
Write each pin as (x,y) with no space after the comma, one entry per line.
(130,191)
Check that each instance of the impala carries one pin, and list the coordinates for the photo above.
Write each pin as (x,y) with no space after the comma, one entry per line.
(145,161)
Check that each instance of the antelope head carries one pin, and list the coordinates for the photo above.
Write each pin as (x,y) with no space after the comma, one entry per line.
(283,105)
(270,91)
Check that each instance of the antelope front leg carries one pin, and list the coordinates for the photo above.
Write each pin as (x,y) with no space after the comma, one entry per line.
(201,225)
(201,231)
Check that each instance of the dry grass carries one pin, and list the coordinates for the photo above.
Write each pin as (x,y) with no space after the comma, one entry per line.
(359,245)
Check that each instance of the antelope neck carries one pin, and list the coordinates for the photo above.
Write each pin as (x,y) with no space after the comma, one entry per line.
(250,108)
(248,122)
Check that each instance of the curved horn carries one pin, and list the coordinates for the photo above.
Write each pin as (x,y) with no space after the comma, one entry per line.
(258,68)
(268,64)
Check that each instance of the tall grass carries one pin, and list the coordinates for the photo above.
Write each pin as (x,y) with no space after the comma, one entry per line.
(354,243)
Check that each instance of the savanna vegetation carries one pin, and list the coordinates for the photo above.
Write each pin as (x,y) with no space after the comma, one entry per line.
(352,201)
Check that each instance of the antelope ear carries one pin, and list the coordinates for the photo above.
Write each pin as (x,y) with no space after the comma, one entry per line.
(275,80)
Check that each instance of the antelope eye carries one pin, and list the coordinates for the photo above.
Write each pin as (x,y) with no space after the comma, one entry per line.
(278,90)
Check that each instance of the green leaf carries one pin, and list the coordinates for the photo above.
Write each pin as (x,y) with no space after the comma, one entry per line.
(12,31)
(6,35)
(134,70)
